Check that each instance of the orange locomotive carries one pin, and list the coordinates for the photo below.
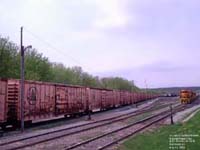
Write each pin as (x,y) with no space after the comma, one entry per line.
(187,96)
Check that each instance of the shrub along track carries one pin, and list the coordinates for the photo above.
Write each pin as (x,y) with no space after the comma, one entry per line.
(48,136)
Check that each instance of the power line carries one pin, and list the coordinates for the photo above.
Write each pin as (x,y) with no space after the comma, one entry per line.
(54,48)
(49,44)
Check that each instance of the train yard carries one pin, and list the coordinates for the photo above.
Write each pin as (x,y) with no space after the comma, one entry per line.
(99,75)
(91,118)
(96,134)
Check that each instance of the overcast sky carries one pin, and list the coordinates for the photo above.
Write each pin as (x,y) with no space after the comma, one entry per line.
(153,40)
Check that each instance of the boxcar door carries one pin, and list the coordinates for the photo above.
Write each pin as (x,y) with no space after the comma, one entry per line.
(103,100)
(61,104)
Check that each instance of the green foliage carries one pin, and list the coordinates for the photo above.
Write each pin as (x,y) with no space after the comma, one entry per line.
(9,59)
(38,67)
(118,83)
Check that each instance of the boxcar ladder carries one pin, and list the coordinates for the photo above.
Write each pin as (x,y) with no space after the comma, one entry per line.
(12,101)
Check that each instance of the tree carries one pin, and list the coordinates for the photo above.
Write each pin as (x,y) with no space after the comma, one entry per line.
(38,67)
(9,59)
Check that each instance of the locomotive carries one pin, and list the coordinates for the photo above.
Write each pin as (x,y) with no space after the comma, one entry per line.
(187,96)
(44,100)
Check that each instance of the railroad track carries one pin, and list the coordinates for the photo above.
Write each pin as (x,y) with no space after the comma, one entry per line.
(40,138)
(108,139)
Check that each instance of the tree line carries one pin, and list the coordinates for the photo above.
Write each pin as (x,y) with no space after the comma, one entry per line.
(38,67)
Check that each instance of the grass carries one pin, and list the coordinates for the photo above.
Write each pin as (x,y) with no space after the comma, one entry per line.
(159,139)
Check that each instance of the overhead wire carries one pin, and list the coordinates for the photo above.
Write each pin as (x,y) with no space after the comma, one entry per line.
(54,48)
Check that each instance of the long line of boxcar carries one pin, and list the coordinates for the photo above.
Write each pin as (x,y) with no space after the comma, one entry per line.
(45,100)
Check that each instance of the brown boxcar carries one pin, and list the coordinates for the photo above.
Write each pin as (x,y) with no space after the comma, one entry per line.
(109,99)
(132,98)
(3,97)
(116,98)
(44,100)
(97,99)
(39,99)
(12,101)
(70,99)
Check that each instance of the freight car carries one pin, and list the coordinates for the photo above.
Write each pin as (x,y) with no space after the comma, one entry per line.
(45,100)
(187,96)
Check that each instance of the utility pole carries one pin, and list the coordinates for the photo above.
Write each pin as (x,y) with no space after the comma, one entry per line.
(132,89)
(23,49)
(146,86)
(88,104)
(22,80)
(133,84)
(171,114)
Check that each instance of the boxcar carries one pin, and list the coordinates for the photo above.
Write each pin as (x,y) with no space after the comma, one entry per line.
(44,100)
(70,99)
(96,99)
(3,97)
